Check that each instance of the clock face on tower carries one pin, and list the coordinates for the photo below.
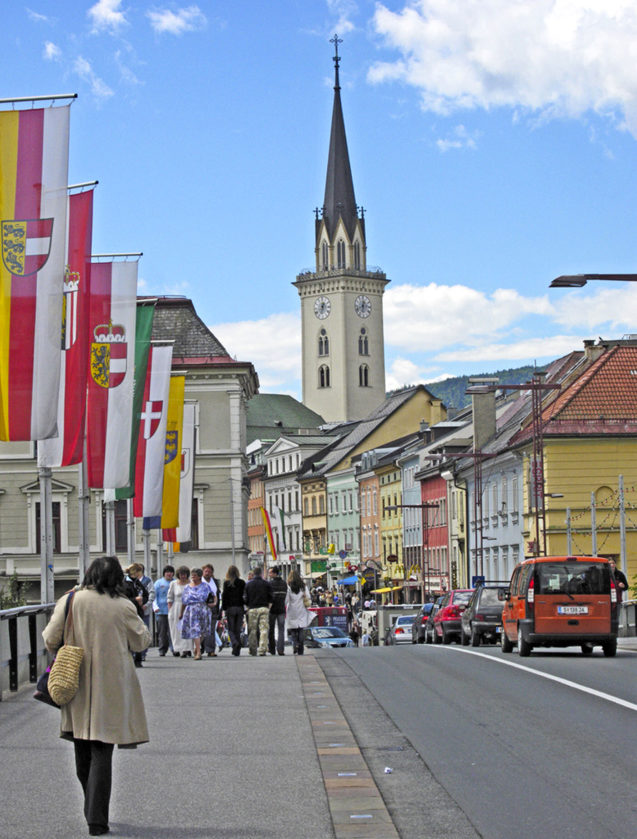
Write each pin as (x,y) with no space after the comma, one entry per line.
(322,307)
(363,306)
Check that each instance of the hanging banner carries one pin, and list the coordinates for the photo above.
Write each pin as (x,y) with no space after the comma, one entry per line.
(111,371)
(68,446)
(183,534)
(34,157)
(268,530)
(151,444)
(172,454)
(143,332)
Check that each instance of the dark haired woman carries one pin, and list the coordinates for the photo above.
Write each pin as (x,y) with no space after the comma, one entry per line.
(297,617)
(232,604)
(195,613)
(108,708)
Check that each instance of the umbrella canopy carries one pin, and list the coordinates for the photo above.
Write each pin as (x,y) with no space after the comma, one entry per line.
(347,581)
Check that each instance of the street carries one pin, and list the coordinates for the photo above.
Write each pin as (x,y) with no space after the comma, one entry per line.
(547,746)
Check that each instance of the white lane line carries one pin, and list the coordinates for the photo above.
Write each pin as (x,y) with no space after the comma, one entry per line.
(630,705)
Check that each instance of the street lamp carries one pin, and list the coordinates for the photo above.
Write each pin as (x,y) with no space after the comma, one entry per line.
(425,535)
(579,280)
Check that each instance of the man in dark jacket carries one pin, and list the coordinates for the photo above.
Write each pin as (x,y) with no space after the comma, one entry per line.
(258,597)
(277,611)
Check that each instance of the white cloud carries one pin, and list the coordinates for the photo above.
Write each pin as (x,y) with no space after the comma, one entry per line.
(553,58)
(460,138)
(51,51)
(345,10)
(37,17)
(403,371)
(84,70)
(176,23)
(107,15)
(612,308)
(524,350)
(272,344)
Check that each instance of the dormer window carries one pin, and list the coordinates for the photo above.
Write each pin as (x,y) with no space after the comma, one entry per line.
(340,254)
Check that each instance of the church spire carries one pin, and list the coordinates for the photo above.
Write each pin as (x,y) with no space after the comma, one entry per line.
(339,188)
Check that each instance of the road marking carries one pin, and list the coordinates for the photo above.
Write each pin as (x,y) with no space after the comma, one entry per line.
(630,705)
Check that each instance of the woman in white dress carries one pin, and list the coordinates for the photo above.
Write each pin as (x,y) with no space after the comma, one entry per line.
(181,646)
(297,617)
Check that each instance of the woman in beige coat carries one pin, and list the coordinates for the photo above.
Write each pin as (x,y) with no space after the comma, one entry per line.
(108,708)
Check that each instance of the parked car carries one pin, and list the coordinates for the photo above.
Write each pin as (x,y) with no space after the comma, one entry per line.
(326,636)
(400,631)
(561,601)
(446,622)
(481,621)
(419,623)
(429,625)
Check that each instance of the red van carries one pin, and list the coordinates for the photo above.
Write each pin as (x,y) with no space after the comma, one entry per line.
(560,601)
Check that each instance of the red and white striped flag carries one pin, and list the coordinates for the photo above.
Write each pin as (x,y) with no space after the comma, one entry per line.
(34,158)
(111,372)
(68,446)
(151,445)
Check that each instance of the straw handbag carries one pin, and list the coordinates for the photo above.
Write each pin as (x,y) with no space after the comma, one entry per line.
(64,678)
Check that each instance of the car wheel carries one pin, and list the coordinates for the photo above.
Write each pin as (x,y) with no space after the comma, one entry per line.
(436,637)
(524,648)
(505,645)
(475,638)
(610,647)
(446,638)
(587,649)
(464,638)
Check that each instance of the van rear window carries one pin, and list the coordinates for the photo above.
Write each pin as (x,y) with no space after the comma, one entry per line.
(572,578)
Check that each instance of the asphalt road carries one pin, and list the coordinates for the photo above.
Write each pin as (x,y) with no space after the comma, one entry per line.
(521,754)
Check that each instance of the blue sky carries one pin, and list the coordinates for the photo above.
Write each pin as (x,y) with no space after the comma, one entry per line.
(492,142)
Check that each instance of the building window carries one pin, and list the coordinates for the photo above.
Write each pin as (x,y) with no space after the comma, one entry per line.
(363,375)
(321,505)
(340,254)
(363,343)
(324,376)
(323,343)
(314,505)
(325,256)
(357,254)
(305,507)
(57,529)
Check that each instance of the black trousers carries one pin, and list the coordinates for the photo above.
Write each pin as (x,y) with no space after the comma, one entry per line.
(93,765)
(234,617)
(163,633)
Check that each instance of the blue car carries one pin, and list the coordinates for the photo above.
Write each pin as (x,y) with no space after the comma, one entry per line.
(326,636)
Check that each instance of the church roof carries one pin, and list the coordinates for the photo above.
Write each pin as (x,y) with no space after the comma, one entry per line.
(339,187)
(176,320)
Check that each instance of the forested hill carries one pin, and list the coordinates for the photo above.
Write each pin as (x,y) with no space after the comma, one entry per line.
(453,391)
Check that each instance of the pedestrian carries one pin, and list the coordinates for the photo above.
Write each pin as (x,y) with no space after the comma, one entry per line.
(298,618)
(137,592)
(181,646)
(210,640)
(195,614)
(148,605)
(355,632)
(621,583)
(277,612)
(108,708)
(233,606)
(160,607)
(258,596)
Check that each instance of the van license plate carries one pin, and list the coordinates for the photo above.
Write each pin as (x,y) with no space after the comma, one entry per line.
(572,610)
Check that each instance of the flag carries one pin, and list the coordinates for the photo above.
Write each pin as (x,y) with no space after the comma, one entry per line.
(278,524)
(68,446)
(151,444)
(34,157)
(172,453)
(110,381)
(186,480)
(143,332)
(268,530)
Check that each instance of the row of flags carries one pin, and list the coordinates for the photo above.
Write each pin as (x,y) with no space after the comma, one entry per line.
(79,372)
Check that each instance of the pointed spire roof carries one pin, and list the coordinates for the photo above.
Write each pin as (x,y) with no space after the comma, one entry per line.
(339,187)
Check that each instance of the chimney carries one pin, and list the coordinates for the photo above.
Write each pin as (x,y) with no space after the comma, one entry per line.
(592,351)
(482,392)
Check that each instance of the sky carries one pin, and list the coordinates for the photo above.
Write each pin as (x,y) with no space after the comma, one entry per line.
(493,145)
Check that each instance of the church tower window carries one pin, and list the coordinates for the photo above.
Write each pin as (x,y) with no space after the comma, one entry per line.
(340,254)
(363,375)
(363,343)
(324,376)
(357,254)
(323,343)
(325,256)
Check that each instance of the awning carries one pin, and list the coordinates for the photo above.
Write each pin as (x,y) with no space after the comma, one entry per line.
(347,581)
(385,590)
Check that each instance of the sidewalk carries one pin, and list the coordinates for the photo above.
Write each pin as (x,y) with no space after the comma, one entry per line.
(232,755)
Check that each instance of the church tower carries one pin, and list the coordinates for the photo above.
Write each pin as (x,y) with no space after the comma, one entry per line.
(341,301)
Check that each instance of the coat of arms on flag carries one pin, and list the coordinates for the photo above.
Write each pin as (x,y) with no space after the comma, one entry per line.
(26,244)
(108,355)
(69,307)
(185,462)
(172,440)
(151,416)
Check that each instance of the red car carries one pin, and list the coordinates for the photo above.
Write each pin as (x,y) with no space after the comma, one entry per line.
(447,623)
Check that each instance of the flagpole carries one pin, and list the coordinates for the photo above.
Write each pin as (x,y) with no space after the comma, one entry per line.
(160,554)
(146,541)
(109,507)
(130,527)
(38,98)
(47,592)
(83,499)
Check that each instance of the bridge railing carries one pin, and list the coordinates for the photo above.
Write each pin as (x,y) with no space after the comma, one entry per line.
(23,655)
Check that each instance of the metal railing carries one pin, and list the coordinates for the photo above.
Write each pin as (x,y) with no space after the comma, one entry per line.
(21,646)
